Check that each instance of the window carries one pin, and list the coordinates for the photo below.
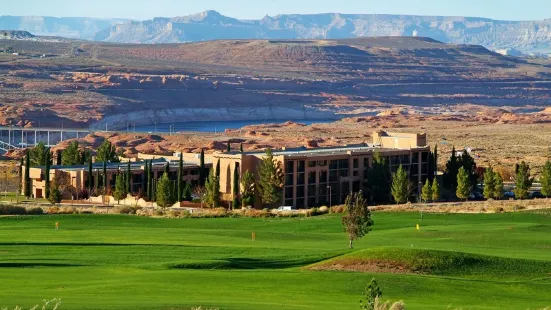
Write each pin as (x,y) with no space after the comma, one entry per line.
(343,163)
(343,173)
(424,157)
(312,163)
(334,164)
(322,163)
(300,166)
(289,192)
(289,167)
(289,202)
(312,192)
(356,163)
(300,191)
(312,177)
(323,177)
(289,180)
(355,173)
(301,179)
(333,176)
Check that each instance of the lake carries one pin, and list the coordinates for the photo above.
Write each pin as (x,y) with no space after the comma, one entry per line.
(216,126)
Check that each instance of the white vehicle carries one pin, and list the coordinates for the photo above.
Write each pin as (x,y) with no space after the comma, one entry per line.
(286,208)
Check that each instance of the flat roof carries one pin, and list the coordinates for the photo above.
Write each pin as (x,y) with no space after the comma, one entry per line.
(328,151)
(121,165)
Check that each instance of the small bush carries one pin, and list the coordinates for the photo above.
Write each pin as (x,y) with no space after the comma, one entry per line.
(159,212)
(337,209)
(53,210)
(323,209)
(35,211)
(174,213)
(11,210)
(125,210)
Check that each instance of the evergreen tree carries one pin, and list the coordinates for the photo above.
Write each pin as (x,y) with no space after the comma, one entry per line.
(47,174)
(212,187)
(163,192)
(167,168)
(235,202)
(90,175)
(218,169)
(229,147)
(248,189)
(151,183)
(120,187)
(20,175)
(378,180)
(463,184)
(241,147)
(452,168)
(468,163)
(435,160)
(357,220)
(426,193)
(55,195)
(128,178)
(104,176)
(187,192)
(180,180)
(489,183)
(545,179)
(371,293)
(38,155)
(28,184)
(107,152)
(145,179)
(430,168)
(71,155)
(523,182)
(202,169)
(270,183)
(435,190)
(498,189)
(400,184)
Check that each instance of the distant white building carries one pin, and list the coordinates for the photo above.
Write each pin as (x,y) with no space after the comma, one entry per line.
(509,52)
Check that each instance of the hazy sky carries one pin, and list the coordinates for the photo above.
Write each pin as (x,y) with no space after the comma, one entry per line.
(255,9)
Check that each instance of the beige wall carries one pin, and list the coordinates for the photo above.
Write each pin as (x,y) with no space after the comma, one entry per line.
(399,140)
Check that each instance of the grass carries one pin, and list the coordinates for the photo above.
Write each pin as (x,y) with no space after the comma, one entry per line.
(470,261)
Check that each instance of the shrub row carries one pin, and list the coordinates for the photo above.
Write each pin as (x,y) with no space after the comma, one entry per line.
(14,210)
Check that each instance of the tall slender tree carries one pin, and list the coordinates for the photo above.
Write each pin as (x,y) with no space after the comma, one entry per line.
(28,185)
(202,169)
(151,178)
(463,184)
(47,174)
(241,147)
(452,168)
(489,183)
(90,175)
(128,178)
(426,193)
(120,187)
(498,190)
(218,168)
(180,180)
(212,187)
(188,191)
(248,189)
(523,182)
(435,190)
(400,185)
(235,202)
(163,193)
(20,175)
(104,176)
(545,179)
(145,179)
(378,180)
(59,157)
(270,184)
(229,146)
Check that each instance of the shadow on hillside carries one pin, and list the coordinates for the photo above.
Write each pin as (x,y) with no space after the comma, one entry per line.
(32,265)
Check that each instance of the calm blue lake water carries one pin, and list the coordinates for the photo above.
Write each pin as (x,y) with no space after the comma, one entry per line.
(217,126)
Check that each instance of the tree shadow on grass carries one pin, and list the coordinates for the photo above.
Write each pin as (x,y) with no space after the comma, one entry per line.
(37,264)
(247,263)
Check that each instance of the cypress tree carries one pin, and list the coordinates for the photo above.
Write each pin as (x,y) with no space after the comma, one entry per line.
(229,147)
(151,181)
(400,185)
(463,184)
(489,183)
(188,191)
(180,181)
(435,160)
(452,168)
(270,182)
(426,193)
(28,185)
(498,190)
(241,147)
(212,186)
(90,174)
(120,187)
(20,175)
(145,179)
(202,171)
(235,202)
(163,192)
(435,190)
(128,178)
(47,174)
(167,168)
(523,182)
(218,169)
(104,177)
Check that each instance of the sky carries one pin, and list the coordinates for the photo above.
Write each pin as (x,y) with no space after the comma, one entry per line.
(256,9)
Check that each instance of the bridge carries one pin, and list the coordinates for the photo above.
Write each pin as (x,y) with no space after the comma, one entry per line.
(21,137)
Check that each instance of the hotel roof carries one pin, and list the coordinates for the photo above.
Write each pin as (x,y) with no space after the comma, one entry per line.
(121,166)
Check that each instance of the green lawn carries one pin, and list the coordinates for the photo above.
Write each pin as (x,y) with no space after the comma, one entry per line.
(499,261)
